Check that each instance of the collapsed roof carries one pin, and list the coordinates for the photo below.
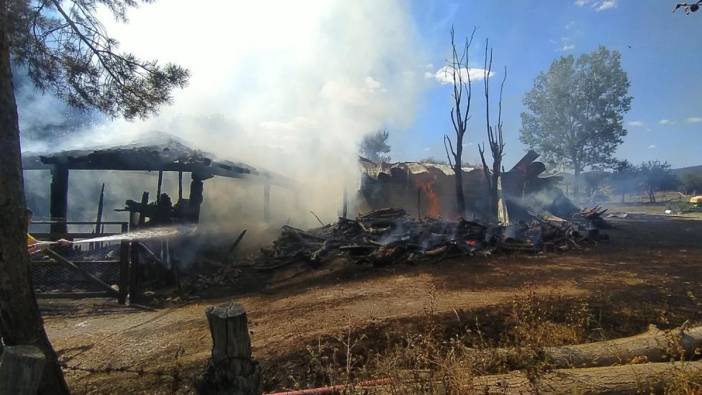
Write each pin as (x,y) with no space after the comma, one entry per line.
(165,153)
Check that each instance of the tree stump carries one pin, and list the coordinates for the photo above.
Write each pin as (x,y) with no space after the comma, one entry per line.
(20,370)
(231,369)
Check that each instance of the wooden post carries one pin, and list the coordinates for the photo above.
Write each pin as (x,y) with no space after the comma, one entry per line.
(59,201)
(345,207)
(195,198)
(98,218)
(134,291)
(231,368)
(267,202)
(158,187)
(180,185)
(123,269)
(144,203)
(20,370)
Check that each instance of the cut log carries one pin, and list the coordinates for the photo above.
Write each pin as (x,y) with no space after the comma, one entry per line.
(20,370)
(230,331)
(231,370)
(654,345)
(624,379)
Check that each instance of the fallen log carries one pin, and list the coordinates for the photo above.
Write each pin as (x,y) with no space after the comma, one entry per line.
(654,345)
(623,379)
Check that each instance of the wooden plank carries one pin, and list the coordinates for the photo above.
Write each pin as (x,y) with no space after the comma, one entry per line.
(89,276)
(77,222)
(20,370)
(52,262)
(72,295)
(123,271)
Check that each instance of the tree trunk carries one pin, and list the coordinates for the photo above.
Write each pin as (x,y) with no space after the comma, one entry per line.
(231,369)
(624,379)
(653,345)
(576,180)
(20,321)
(460,199)
(20,370)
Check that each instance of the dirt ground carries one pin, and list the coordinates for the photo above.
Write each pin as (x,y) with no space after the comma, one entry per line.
(651,263)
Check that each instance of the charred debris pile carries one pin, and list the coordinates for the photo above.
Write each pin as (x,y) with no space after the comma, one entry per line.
(388,236)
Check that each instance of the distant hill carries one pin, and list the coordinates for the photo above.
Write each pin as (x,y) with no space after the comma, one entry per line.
(688,170)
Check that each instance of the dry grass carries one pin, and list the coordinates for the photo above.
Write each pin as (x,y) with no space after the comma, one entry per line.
(442,353)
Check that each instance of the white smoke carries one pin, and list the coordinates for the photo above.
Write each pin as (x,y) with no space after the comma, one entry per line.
(290,86)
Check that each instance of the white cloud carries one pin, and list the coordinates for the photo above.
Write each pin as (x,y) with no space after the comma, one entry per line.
(636,124)
(444,75)
(606,5)
(597,5)
(652,146)
(666,122)
(694,119)
(568,47)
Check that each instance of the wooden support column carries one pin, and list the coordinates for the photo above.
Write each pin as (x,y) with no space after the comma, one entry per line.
(345,204)
(59,201)
(123,269)
(158,187)
(231,368)
(180,186)
(267,202)
(144,203)
(20,370)
(196,198)
(134,274)
(98,217)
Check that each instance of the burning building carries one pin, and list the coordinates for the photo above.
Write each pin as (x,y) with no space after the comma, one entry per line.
(428,189)
(165,154)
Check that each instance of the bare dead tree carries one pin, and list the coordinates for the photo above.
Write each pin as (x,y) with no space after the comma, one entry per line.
(495,140)
(460,113)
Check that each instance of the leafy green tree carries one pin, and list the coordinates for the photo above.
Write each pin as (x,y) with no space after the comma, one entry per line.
(66,50)
(574,113)
(657,176)
(375,147)
(692,183)
(625,178)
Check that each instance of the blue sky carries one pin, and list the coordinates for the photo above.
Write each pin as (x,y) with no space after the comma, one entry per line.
(661,52)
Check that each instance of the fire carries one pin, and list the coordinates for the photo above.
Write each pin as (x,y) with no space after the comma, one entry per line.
(433,204)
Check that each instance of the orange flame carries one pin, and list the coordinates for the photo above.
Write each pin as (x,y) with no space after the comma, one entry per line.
(433,205)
